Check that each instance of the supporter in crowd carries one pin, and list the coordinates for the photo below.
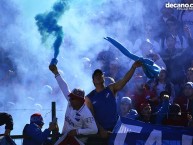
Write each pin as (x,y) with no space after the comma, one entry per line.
(33,135)
(109,63)
(102,101)
(146,114)
(147,36)
(6,119)
(186,99)
(173,59)
(139,93)
(175,117)
(78,118)
(186,17)
(174,29)
(126,108)
(189,74)
(165,15)
(161,83)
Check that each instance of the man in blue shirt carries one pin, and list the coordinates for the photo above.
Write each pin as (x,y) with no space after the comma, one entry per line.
(33,135)
(101,101)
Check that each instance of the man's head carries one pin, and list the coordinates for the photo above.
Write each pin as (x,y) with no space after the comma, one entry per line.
(145,109)
(98,77)
(126,105)
(37,119)
(162,74)
(76,98)
(188,89)
(189,74)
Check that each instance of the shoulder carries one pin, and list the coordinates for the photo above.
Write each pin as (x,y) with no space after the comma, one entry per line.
(92,93)
(31,127)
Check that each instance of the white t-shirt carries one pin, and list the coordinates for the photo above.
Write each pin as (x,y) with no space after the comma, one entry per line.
(82,120)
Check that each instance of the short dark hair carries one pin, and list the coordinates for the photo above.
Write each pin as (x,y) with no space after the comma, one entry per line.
(97,71)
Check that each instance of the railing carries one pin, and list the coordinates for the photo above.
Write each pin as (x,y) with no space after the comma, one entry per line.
(55,135)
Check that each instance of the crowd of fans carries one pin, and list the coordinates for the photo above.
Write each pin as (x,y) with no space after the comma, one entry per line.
(165,100)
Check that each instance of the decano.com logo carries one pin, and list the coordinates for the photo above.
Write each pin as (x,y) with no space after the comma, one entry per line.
(179,6)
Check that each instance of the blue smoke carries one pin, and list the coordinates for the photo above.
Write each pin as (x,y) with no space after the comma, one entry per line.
(47,24)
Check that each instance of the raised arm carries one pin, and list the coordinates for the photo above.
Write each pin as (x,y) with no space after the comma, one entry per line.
(122,82)
(62,84)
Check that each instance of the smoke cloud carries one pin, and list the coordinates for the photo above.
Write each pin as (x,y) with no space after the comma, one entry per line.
(47,24)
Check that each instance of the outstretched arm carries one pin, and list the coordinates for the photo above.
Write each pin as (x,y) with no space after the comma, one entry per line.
(122,82)
(62,84)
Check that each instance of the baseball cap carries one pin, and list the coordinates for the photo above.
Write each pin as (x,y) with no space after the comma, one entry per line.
(37,119)
(77,93)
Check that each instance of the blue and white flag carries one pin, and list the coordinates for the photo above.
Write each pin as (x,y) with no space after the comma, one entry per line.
(132,132)
(149,67)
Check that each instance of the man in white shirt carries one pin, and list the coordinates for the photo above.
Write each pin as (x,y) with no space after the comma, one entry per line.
(78,118)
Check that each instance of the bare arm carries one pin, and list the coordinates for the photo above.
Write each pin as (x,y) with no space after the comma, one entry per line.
(89,105)
(122,82)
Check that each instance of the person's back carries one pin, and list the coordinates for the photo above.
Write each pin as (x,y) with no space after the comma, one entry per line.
(34,136)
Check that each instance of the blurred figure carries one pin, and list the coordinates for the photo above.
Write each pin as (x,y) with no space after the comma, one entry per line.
(6,119)
(187,17)
(175,117)
(139,93)
(109,64)
(189,74)
(161,83)
(145,113)
(148,116)
(8,69)
(147,36)
(33,135)
(186,99)
(174,61)
(78,118)
(174,29)
(127,108)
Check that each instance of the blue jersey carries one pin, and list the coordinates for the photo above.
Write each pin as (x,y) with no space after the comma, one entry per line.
(104,105)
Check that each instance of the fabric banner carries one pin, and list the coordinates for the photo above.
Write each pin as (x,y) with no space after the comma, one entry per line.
(132,132)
